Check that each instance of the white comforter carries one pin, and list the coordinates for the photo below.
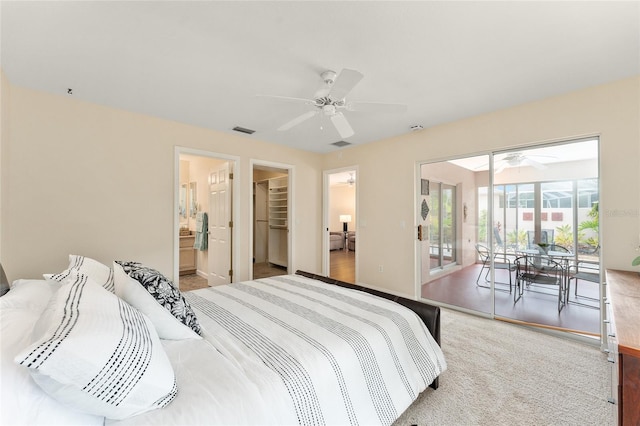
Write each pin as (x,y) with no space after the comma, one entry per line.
(291,350)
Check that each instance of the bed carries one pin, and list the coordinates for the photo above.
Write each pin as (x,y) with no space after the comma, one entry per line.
(295,349)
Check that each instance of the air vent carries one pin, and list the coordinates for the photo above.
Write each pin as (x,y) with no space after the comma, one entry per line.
(243,130)
(340,144)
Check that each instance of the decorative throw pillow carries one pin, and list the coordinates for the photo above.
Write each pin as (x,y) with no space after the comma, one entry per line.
(95,270)
(99,355)
(154,295)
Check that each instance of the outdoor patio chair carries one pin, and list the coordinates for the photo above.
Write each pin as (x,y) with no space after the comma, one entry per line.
(538,270)
(500,261)
(584,271)
(558,248)
(546,237)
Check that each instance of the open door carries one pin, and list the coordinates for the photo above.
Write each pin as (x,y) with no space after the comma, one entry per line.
(220,226)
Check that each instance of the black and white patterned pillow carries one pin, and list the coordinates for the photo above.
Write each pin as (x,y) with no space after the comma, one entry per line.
(98,354)
(156,296)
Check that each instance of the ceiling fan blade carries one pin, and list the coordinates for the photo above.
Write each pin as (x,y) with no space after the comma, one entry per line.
(299,119)
(346,81)
(375,107)
(342,125)
(500,168)
(534,163)
(289,99)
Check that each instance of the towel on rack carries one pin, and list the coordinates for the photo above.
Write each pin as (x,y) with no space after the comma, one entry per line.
(202,228)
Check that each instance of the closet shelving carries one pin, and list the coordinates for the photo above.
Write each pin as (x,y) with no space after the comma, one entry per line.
(278,221)
(278,198)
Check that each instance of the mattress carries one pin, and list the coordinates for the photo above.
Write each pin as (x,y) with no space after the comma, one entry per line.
(274,351)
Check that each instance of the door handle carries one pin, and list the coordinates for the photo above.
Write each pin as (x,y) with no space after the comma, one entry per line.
(420,233)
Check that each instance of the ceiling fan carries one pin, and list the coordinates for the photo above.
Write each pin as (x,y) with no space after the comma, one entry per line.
(347,182)
(516,159)
(330,100)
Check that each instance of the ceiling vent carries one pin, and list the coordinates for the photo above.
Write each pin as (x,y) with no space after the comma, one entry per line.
(340,144)
(243,130)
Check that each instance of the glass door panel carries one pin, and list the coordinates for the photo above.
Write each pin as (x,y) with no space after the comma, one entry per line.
(536,194)
(453,207)
(488,214)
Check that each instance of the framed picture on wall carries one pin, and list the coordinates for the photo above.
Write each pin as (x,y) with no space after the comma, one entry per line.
(424,186)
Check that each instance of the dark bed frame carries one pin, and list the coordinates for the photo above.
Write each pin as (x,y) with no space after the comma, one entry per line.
(429,314)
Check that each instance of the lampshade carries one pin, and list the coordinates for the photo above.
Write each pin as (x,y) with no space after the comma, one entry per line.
(345,218)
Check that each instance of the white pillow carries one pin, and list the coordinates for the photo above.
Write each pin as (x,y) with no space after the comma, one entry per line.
(100,355)
(95,270)
(22,401)
(29,294)
(153,294)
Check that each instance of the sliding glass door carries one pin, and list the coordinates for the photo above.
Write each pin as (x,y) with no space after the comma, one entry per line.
(520,213)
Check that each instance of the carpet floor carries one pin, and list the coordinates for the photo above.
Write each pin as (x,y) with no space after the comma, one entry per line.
(503,374)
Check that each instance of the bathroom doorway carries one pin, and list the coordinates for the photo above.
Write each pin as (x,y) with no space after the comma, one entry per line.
(198,238)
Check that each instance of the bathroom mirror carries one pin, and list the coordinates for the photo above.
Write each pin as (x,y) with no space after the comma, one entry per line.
(193,199)
(183,201)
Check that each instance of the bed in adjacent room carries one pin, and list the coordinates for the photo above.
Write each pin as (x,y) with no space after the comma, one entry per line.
(124,346)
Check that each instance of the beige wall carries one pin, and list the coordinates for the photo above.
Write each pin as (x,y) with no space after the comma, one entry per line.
(82,178)
(86,179)
(387,206)
(4,138)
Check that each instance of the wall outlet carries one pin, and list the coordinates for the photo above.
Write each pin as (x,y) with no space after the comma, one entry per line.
(380,268)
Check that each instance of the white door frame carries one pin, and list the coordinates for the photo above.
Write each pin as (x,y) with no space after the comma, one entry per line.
(235,166)
(325,217)
(290,209)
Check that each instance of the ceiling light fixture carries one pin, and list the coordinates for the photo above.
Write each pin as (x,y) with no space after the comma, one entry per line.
(416,127)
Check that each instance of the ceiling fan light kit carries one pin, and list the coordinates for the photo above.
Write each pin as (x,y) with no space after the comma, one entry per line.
(330,99)
(329,77)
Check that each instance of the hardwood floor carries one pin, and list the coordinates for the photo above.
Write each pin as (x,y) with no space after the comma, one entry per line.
(460,289)
(343,265)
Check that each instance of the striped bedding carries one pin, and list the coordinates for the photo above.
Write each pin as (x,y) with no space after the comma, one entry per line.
(317,353)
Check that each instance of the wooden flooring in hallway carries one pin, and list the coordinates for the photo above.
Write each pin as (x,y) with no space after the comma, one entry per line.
(342,265)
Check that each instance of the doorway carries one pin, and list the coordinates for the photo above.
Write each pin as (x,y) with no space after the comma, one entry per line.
(271,219)
(340,256)
(198,259)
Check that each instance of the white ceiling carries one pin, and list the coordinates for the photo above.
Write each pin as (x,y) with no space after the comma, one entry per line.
(203,63)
